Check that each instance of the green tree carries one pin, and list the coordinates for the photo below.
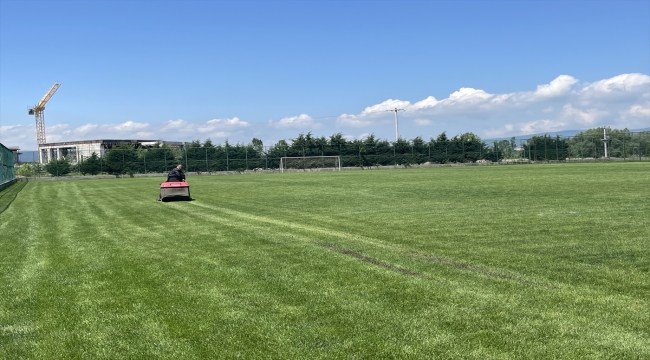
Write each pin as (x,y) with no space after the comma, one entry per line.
(620,143)
(275,152)
(91,165)
(439,149)
(26,169)
(159,158)
(60,167)
(419,150)
(195,156)
(122,159)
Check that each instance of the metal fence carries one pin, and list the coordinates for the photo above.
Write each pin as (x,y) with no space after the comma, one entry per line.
(7,173)
(623,146)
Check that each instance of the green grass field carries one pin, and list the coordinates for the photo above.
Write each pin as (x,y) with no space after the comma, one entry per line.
(502,262)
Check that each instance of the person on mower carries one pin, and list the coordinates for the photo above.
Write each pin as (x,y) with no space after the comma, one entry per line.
(176,174)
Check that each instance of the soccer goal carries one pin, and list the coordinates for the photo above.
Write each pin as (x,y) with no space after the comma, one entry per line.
(310,162)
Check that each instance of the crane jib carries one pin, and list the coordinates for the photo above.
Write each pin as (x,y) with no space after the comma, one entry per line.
(46,98)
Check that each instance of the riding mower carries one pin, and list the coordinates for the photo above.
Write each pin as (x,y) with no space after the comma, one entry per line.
(174,191)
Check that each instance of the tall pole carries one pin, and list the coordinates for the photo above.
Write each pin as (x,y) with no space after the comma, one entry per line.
(396,126)
(605,141)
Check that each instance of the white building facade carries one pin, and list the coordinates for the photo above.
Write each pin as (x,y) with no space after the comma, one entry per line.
(77,151)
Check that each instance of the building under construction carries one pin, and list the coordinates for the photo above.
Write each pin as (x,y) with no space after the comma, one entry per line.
(76,151)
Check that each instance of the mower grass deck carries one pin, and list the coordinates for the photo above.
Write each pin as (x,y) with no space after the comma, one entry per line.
(174,191)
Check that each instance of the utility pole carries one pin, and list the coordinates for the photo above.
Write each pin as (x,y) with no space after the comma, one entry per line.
(396,127)
(605,141)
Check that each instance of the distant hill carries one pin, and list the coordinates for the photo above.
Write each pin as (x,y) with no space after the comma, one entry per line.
(28,156)
(563,133)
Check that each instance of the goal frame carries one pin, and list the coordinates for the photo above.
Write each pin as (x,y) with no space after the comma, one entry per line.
(337,158)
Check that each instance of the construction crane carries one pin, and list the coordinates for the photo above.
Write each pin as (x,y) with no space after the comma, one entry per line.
(38,112)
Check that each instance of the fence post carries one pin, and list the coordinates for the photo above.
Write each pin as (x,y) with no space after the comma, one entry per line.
(595,152)
(144,159)
(359,154)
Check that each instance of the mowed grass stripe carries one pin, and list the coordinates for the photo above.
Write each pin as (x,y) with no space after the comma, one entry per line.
(21,263)
(145,258)
(112,261)
(577,295)
(187,280)
(315,234)
(273,288)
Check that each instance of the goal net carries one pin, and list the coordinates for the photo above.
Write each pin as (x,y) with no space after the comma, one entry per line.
(310,162)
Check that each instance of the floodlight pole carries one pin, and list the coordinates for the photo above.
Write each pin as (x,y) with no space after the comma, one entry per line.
(396,127)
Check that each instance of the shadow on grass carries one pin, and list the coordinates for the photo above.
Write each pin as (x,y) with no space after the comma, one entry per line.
(9,194)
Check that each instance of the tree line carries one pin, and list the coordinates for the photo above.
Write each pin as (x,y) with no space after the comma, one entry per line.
(370,151)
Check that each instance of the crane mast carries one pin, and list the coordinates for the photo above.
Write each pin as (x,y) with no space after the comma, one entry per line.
(38,112)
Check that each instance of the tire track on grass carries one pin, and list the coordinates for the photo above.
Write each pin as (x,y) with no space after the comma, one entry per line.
(484,271)
(263,232)
(371,260)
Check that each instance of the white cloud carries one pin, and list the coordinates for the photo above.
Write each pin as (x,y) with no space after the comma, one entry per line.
(222,124)
(302,121)
(17,135)
(621,85)
(562,104)
(385,106)
(427,103)
(353,121)
(608,101)
(560,85)
(588,116)
(540,126)
(85,129)
(174,124)
(129,126)
(467,96)
(638,110)
(505,130)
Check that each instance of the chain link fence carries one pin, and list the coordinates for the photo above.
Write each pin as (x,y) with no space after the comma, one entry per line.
(7,173)
(202,158)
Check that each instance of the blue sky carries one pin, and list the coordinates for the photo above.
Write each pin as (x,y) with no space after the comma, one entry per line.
(184,70)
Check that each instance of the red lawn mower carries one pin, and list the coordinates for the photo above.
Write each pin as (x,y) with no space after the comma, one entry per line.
(174,191)
(175,188)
